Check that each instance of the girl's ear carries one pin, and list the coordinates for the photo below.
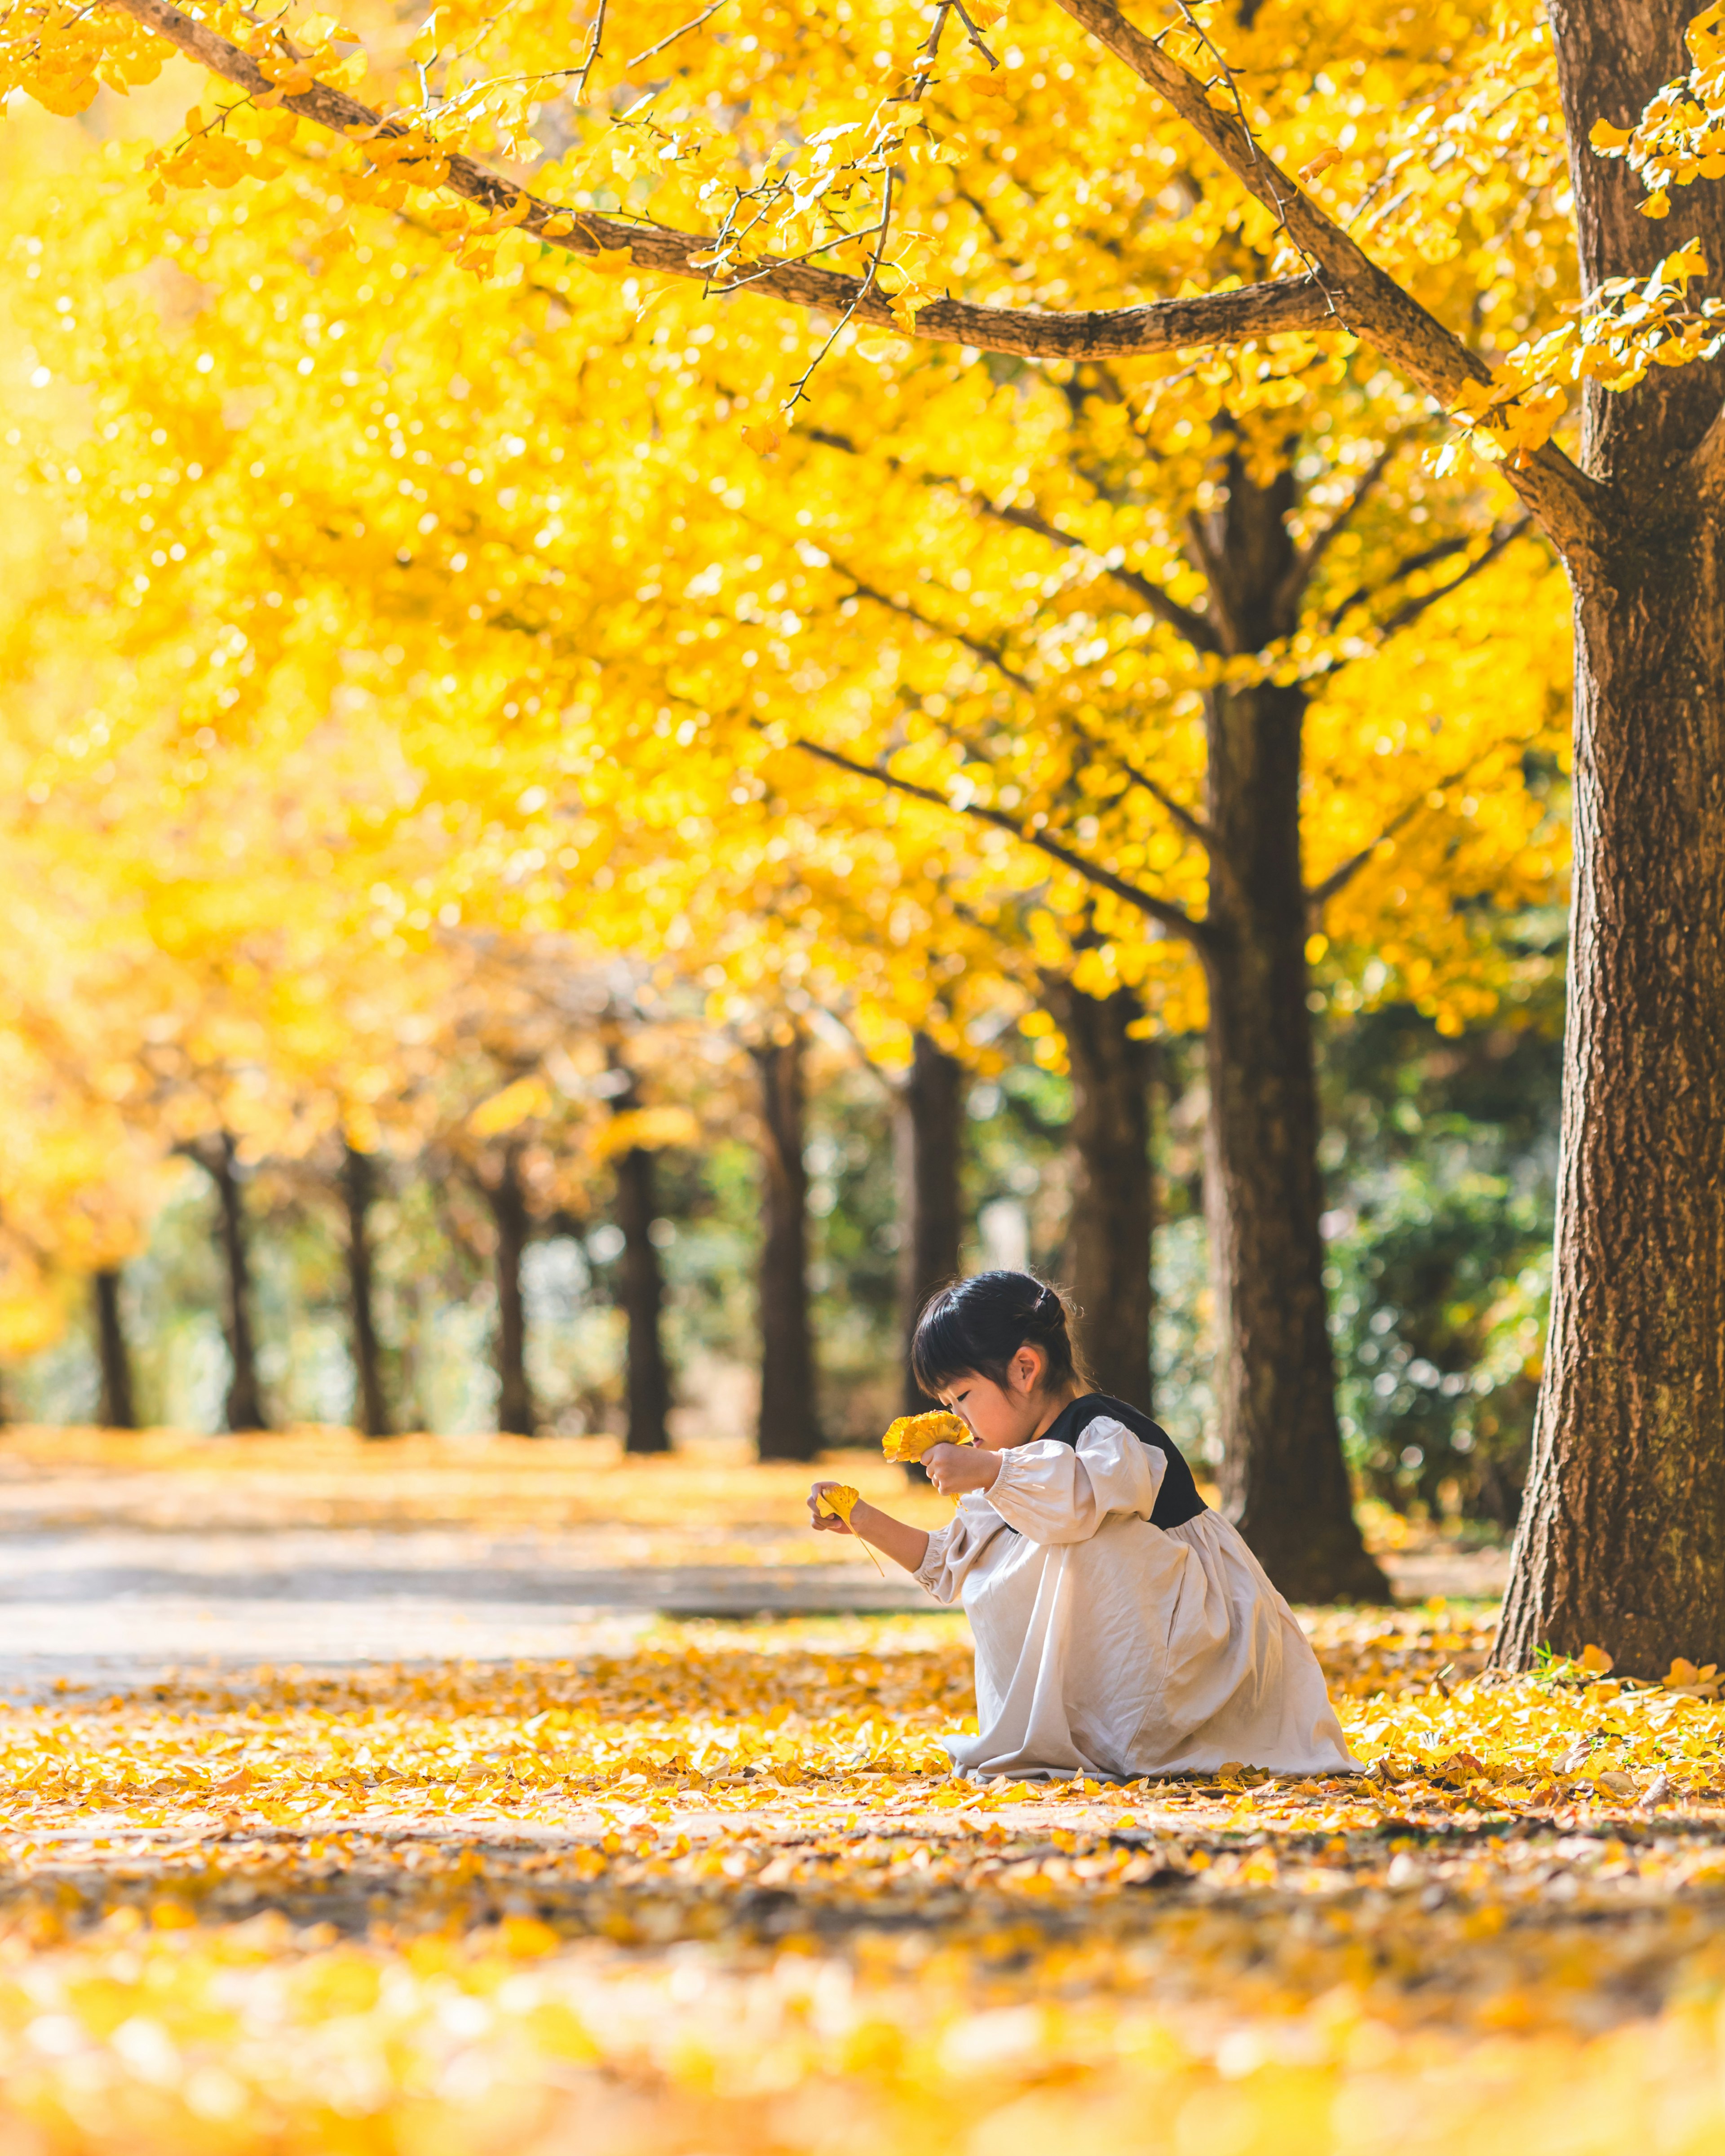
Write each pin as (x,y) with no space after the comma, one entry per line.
(1029,1365)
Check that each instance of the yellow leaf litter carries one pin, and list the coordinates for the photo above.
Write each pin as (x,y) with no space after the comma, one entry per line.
(715,1893)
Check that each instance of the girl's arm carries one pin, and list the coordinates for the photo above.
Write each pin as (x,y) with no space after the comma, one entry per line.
(905,1545)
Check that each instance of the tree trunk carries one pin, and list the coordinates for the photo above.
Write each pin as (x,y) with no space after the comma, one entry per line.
(358,1182)
(643,1286)
(244,1405)
(1622,1538)
(1285,1483)
(515,1411)
(928,1145)
(116,1410)
(1108,1236)
(789,1428)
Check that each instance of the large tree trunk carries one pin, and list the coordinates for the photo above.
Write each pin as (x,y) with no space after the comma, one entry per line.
(1622,1538)
(1113,1217)
(245,1404)
(1285,1481)
(789,1428)
(358,1188)
(643,1295)
(928,1134)
(515,1411)
(116,1410)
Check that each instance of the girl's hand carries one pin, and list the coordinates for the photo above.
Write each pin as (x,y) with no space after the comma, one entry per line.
(953,1469)
(826,1524)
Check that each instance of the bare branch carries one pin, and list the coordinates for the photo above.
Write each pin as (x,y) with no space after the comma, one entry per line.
(1213,318)
(799,387)
(1365,298)
(664,43)
(594,44)
(1174,918)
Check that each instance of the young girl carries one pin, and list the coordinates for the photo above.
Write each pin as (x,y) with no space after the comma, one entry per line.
(1122,1628)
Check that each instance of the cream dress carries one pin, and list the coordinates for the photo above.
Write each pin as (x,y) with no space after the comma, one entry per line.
(1107,1646)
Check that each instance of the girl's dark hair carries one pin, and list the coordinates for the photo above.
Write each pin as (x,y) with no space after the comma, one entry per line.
(980,1324)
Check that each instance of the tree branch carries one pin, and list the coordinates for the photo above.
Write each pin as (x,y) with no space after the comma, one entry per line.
(1411,610)
(1213,318)
(1174,918)
(1293,587)
(1320,894)
(1366,299)
(1195,629)
(990,654)
(1185,623)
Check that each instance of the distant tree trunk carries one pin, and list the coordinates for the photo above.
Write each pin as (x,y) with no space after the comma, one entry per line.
(116,1410)
(927,1134)
(789,1428)
(1285,1481)
(1113,1216)
(509,1217)
(245,1404)
(643,1296)
(358,1188)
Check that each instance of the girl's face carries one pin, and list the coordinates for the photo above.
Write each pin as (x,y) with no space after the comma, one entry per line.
(1002,1415)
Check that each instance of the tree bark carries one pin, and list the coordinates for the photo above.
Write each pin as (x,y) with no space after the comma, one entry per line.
(1113,1217)
(358,1188)
(789,1426)
(927,1148)
(643,1295)
(116,1410)
(245,1404)
(515,1410)
(1622,1538)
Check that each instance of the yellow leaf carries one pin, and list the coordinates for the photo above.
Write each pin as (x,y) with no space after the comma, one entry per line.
(911,1435)
(1330,155)
(1657,206)
(838,1500)
(1605,136)
(424,45)
(508,1109)
(650,1130)
(1595,1661)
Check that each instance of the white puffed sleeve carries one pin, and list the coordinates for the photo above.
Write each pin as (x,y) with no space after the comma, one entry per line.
(954,1549)
(1059,1493)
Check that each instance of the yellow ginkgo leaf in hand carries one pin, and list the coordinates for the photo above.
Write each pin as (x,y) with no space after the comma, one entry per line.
(911,1435)
(838,1500)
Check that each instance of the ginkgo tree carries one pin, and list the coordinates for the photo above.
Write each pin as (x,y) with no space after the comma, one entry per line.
(1100,542)
(1632,1396)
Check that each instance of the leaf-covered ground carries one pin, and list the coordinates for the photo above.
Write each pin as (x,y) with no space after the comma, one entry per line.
(715,1893)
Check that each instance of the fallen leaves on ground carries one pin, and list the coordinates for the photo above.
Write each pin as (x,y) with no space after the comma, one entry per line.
(717,1893)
